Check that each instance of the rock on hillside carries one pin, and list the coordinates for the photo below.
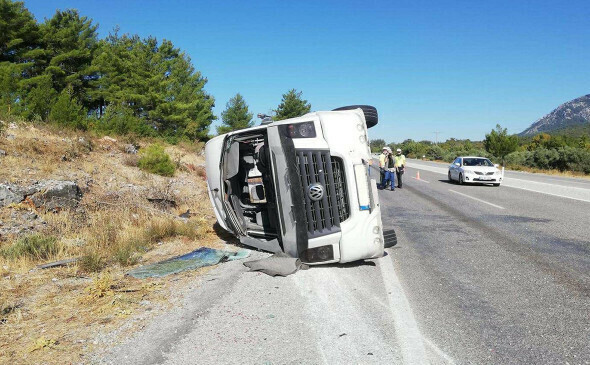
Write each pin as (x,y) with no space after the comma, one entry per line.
(570,114)
(47,195)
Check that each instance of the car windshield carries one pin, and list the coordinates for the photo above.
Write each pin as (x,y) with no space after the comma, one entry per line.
(477,162)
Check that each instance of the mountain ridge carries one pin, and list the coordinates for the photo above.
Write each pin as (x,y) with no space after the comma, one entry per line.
(572,114)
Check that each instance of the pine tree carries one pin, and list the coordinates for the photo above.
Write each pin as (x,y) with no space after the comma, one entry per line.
(291,106)
(183,107)
(70,41)
(19,52)
(152,86)
(39,100)
(119,119)
(67,111)
(9,86)
(122,65)
(235,116)
(19,32)
(158,82)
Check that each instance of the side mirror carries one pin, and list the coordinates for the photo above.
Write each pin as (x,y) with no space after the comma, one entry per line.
(457,164)
(496,165)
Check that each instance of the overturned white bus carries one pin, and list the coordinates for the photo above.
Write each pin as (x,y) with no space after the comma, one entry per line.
(300,186)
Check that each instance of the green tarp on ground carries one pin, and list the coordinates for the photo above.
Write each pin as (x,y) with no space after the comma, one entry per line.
(201,257)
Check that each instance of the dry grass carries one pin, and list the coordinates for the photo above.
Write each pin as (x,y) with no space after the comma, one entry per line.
(131,160)
(41,151)
(54,315)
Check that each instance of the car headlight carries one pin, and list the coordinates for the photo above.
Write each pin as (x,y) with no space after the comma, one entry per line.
(301,130)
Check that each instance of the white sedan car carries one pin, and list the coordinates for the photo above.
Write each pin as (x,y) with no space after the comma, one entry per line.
(474,170)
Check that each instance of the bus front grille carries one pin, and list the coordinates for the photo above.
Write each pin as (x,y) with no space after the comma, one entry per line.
(324,213)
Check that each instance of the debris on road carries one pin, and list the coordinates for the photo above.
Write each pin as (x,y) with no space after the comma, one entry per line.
(277,264)
(201,257)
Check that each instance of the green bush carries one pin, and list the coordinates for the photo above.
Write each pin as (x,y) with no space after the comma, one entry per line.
(518,158)
(34,246)
(153,159)
(545,159)
(118,119)
(563,159)
(435,153)
(67,111)
(573,159)
(92,262)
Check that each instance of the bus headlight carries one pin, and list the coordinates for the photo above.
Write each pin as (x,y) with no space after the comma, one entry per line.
(301,130)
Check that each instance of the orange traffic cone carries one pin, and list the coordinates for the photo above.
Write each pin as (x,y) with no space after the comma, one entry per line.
(417,175)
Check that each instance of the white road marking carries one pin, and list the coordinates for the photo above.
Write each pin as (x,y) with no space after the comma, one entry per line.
(479,200)
(406,329)
(428,182)
(330,289)
(556,178)
(544,183)
(439,352)
(552,194)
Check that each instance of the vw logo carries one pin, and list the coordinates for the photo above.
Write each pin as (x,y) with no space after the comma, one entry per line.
(315,191)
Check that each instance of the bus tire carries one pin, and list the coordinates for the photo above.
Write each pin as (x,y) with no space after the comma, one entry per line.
(371,115)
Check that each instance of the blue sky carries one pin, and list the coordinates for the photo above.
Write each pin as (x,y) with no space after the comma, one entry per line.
(457,68)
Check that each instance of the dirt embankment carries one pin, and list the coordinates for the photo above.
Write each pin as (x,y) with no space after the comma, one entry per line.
(66,195)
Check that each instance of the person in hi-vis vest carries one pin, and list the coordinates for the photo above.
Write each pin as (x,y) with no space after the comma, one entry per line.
(400,166)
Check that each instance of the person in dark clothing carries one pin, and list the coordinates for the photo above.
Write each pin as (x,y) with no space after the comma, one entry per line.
(389,170)
(382,165)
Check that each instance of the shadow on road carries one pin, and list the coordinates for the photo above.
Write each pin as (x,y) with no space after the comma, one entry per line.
(446,181)
(348,265)
(226,236)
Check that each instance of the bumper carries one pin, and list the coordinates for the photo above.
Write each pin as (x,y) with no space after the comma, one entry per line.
(478,179)
(360,236)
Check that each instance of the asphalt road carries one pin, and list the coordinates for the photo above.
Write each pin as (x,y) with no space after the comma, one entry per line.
(501,279)
(479,275)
